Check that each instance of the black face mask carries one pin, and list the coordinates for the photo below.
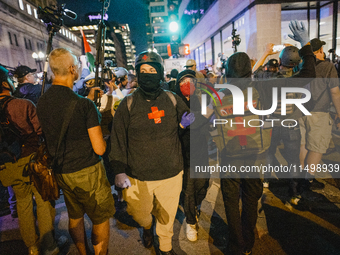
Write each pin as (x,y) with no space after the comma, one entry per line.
(149,82)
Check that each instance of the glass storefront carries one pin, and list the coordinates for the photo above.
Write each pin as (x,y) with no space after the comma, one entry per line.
(227,41)
(208,53)
(201,63)
(316,16)
(217,46)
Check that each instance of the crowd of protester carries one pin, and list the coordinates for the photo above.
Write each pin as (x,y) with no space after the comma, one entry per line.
(141,135)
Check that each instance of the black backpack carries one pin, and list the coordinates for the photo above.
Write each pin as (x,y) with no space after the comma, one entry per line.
(10,142)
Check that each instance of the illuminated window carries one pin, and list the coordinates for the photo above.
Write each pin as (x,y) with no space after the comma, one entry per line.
(157,8)
(21,5)
(29,10)
(159,19)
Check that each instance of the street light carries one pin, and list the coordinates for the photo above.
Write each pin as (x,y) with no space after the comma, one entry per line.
(173,26)
(38,58)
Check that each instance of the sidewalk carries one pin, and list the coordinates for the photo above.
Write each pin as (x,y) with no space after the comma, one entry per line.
(281,228)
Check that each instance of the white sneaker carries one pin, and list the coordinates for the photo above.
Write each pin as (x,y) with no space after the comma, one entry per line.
(33,250)
(265,184)
(295,200)
(192,232)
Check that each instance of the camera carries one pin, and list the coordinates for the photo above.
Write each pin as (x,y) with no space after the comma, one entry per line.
(236,40)
(223,59)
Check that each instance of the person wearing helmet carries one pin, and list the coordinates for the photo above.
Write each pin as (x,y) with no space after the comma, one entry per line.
(146,154)
(270,69)
(122,79)
(289,59)
(191,65)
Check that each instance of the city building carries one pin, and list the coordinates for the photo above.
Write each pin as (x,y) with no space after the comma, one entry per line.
(118,45)
(208,25)
(23,36)
(123,40)
(158,33)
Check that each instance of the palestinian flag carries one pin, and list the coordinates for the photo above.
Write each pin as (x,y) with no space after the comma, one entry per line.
(87,51)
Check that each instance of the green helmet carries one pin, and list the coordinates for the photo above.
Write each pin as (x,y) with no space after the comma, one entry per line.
(289,56)
(146,57)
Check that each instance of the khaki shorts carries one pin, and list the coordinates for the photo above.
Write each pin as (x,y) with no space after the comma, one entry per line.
(88,191)
(316,131)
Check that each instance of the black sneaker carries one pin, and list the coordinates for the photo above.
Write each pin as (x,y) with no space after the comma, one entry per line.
(172,252)
(316,185)
(148,237)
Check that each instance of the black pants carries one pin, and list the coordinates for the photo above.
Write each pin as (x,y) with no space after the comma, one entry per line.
(241,227)
(195,190)
(249,188)
(291,139)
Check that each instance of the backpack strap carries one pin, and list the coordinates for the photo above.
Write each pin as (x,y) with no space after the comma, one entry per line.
(129,99)
(172,97)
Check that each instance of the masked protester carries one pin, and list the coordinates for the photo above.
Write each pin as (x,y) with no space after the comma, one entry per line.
(242,149)
(194,189)
(146,151)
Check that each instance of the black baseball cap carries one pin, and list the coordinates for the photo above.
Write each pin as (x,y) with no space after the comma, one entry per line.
(21,71)
(316,44)
(186,73)
(272,63)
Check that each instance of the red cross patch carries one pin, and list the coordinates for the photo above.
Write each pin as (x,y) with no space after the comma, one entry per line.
(145,57)
(156,115)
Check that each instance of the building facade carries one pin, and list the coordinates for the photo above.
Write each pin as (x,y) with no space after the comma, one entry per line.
(123,39)
(209,24)
(158,33)
(118,45)
(22,34)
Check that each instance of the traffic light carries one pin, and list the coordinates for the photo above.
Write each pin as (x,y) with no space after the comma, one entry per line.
(173,49)
(184,49)
(178,49)
(173,16)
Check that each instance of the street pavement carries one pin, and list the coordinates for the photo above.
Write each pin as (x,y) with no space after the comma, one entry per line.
(282,229)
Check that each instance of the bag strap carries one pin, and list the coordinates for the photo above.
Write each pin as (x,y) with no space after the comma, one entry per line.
(172,97)
(129,99)
(64,127)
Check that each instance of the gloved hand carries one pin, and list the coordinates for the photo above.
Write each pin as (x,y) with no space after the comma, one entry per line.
(300,33)
(212,117)
(122,181)
(187,119)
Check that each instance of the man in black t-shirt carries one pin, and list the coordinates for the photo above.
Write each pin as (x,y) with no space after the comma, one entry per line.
(79,171)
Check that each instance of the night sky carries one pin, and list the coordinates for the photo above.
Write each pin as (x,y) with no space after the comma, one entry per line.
(131,12)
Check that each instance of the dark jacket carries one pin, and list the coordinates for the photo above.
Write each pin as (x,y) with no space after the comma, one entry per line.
(142,148)
(195,138)
(30,91)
